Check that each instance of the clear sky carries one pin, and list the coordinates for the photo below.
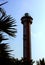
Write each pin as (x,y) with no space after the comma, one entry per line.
(36,8)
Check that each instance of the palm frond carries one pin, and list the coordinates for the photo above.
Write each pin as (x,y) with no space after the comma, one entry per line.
(4,52)
(41,62)
(2,38)
(7,25)
(2,11)
(3,3)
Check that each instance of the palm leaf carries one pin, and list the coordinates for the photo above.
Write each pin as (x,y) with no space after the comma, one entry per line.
(7,25)
(2,38)
(3,3)
(2,12)
(4,52)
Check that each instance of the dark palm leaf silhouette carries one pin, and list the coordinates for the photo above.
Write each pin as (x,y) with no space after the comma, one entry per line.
(2,11)
(5,57)
(41,62)
(3,3)
(4,51)
(7,25)
(2,38)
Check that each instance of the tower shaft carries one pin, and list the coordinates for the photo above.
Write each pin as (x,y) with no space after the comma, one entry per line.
(26,41)
(26,21)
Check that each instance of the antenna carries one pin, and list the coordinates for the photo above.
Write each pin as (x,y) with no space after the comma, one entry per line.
(3,3)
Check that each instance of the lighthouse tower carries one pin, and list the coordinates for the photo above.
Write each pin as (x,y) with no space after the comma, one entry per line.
(26,20)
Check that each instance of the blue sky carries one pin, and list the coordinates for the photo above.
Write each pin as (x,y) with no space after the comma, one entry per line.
(36,8)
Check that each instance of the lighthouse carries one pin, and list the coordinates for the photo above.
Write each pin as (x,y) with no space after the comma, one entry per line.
(26,20)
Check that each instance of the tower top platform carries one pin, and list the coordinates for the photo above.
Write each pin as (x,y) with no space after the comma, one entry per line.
(27,18)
